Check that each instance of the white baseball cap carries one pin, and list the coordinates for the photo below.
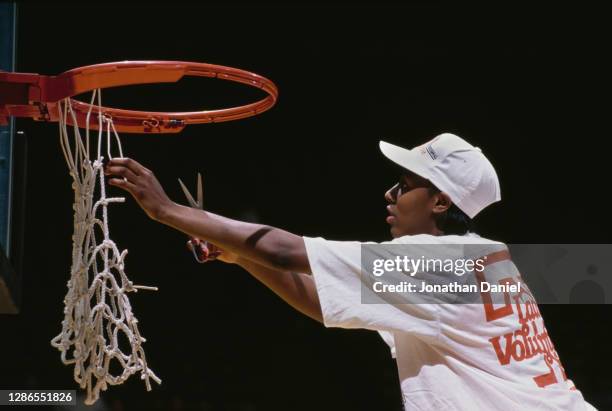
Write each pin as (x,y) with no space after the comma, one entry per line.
(455,167)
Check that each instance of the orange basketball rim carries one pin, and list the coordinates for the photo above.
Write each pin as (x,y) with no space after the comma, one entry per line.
(37,96)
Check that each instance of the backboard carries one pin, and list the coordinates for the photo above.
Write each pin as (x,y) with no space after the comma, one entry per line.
(9,279)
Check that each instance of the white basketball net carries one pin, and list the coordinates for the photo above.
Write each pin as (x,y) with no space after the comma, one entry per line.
(97,307)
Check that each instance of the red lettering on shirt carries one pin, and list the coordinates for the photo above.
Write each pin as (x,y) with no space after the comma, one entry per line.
(530,338)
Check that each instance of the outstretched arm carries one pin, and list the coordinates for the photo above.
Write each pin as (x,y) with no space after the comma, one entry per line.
(297,290)
(268,246)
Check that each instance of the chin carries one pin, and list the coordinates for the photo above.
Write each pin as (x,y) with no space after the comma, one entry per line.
(394,232)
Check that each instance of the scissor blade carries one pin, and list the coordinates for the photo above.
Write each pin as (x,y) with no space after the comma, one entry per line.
(190,199)
(200,194)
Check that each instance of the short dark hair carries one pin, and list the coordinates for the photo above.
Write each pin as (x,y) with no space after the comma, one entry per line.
(453,221)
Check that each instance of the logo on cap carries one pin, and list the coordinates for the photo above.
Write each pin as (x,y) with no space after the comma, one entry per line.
(429,148)
(431,152)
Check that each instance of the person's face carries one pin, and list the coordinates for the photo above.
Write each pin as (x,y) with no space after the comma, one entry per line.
(412,206)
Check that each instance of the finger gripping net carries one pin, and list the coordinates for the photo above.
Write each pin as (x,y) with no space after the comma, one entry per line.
(96,307)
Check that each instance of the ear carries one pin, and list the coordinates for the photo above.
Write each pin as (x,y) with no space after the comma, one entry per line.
(442,203)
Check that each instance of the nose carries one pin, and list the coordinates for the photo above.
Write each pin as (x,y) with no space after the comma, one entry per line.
(391,194)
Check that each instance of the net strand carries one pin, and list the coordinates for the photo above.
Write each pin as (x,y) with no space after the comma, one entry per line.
(96,306)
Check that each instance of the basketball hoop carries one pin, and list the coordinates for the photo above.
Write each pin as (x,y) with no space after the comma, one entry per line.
(97,309)
(37,96)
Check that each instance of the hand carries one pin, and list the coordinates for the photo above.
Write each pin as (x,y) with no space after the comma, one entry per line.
(205,251)
(141,183)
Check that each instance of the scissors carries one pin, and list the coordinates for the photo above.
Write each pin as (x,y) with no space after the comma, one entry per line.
(203,251)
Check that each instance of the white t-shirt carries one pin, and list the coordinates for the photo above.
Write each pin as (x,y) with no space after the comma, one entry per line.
(450,356)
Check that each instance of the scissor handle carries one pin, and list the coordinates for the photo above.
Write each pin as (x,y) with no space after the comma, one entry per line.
(202,250)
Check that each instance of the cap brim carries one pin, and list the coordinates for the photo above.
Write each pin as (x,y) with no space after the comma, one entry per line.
(404,158)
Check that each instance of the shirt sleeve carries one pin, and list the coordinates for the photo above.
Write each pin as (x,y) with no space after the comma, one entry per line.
(389,339)
(336,268)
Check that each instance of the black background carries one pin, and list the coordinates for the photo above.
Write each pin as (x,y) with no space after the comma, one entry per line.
(524,85)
